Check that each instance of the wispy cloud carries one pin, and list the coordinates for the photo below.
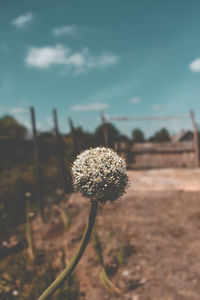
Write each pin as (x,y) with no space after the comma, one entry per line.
(65,30)
(194,66)
(17,111)
(135,100)
(95,106)
(13,111)
(23,20)
(46,57)
(72,31)
(158,107)
(106,59)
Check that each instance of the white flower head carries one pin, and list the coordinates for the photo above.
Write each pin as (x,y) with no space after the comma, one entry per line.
(31,214)
(28,194)
(100,174)
(15,292)
(5,244)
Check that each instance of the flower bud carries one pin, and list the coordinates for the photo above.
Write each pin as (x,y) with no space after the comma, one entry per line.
(100,174)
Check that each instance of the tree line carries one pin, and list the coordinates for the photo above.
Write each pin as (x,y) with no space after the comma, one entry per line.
(10,127)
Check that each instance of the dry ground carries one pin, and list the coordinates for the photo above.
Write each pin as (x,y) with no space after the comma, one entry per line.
(158,222)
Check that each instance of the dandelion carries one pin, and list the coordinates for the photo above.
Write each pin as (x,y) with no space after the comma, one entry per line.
(100,175)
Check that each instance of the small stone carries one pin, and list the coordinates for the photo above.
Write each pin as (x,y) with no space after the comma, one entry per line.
(126,273)
(143,280)
(127,296)
(135,297)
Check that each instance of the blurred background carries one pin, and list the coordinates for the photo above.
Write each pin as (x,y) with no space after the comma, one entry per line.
(81,74)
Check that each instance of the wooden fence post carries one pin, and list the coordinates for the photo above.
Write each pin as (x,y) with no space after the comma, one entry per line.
(196,140)
(74,139)
(105,132)
(60,151)
(39,203)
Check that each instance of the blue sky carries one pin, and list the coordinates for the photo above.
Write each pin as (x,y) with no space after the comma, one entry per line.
(126,58)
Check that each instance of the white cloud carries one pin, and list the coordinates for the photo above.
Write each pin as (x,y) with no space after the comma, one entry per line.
(136,100)
(107,59)
(45,57)
(65,30)
(23,20)
(95,106)
(158,107)
(194,66)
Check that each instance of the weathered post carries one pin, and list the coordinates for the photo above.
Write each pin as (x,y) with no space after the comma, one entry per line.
(105,133)
(60,151)
(39,203)
(74,139)
(196,140)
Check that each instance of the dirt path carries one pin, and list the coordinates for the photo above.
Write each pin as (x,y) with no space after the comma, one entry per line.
(165,179)
(158,226)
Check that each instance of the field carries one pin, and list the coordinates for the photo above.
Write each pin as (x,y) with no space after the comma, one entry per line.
(150,239)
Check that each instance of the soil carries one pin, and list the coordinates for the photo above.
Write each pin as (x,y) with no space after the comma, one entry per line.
(157,225)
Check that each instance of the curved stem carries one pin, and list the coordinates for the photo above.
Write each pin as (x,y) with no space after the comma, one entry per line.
(107,283)
(77,256)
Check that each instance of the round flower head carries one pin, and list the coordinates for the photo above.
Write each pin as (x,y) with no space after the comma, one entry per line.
(100,174)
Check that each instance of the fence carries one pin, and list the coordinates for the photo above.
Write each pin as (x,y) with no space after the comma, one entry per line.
(159,155)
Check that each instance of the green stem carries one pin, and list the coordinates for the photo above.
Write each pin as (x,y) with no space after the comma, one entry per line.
(66,218)
(98,246)
(77,256)
(103,275)
(107,283)
(29,234)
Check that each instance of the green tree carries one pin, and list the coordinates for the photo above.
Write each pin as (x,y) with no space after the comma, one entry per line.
(160,136)
(10,127)
(80,139)
(124,138)
(138,136)
(46,136)
(112,133)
